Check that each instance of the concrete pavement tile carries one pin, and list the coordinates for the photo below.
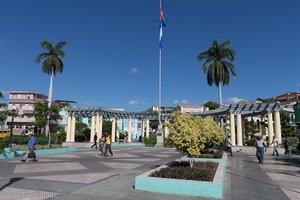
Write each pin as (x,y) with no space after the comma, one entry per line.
(86,178)
(122,155)
(140,159)
(25,194)
(117,165)
(46,167)
(159,155)
(292,194)
(40,160)
(279,167)
(281,176)
(61,155)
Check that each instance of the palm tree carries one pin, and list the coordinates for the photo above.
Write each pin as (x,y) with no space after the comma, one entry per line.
(218,65)
(52,64)
(1,95)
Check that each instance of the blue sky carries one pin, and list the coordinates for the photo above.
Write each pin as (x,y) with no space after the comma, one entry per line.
(112,54)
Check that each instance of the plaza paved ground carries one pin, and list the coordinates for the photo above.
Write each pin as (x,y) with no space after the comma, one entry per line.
(83,175)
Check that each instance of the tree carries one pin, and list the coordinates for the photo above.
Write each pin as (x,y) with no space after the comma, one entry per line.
(1,95)
(82,132)
(287,127)
(41,111)
(3,114)
(193,134)
(211,105)
(106,126)
(218,65)
(52,64)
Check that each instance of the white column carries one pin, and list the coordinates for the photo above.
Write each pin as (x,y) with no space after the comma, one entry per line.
(113,130)
(270,127)
(92,128)
(97,125)
(227,125)
(69,125)
(142,130)
(232,129)
(72,135)
(129,130)
(100,126)
(147,128)
(239,129)
(243,129)
(277,126)
(261,128)
(166,129)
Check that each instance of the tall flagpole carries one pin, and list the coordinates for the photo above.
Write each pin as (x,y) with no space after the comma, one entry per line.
(159,82)
(160,137)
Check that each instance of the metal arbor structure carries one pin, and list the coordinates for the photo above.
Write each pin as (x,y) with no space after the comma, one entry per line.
(234,114)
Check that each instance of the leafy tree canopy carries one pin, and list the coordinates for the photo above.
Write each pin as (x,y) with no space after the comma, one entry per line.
(192,134)
(40,113)
(211,105)
(287,127)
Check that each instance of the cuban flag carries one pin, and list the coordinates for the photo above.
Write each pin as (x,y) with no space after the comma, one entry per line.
(161,25)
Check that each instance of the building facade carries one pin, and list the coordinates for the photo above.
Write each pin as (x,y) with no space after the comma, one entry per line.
(23,102)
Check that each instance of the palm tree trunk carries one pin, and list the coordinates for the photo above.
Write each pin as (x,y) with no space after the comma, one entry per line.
(220,93)
(49,105)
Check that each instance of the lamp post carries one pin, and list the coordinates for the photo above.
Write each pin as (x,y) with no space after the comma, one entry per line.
(12,111)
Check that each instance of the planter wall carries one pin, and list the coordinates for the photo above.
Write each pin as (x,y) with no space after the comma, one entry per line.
(182,187)
(222,160)
(14,154)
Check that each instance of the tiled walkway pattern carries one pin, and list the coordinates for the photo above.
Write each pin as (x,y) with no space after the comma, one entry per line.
(84,175)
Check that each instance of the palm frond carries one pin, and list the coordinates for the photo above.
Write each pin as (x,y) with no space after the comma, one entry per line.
(60,45)
(1,95)
(41,57)
(226,43)
(60,53)
(47,45)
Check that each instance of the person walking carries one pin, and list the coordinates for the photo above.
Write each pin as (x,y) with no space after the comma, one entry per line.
(108,146)
(286,147)
(229,146)
(95,141)
(31,146)
(102,144)
(260,144)
(275,145)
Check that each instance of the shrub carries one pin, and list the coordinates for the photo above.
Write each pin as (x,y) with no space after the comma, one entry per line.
(193,134)
(168,142)
(151,140)
(202,171)
(3,143)
(25,139)
(218,154)
(80,138)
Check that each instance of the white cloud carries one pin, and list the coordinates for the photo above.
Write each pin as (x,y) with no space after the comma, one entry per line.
(234,100)
(133,102)
(180,102)
(133,70)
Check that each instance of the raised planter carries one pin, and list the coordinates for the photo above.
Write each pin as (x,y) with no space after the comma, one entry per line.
(182,187)
(14,154)
(221,160)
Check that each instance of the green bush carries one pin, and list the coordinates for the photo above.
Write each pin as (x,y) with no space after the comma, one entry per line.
(168,142)
(218,154)
(3,143)
(80,138)
(193,134)
(151,140)
(25,139)
(201,171)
